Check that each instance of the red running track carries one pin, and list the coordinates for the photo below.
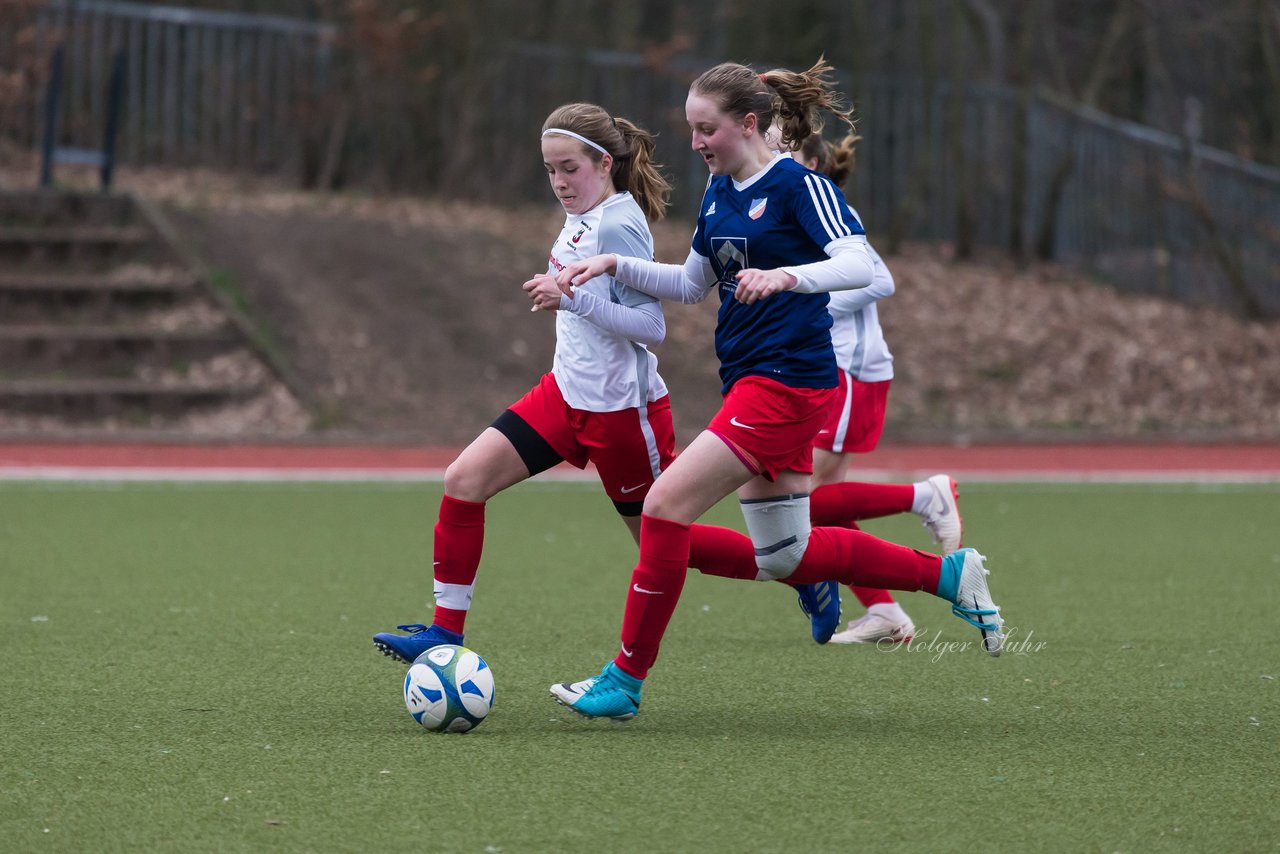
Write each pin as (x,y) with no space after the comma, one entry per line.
(182,461)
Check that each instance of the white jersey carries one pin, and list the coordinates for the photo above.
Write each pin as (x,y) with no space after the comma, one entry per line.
(599,370)
(855,330)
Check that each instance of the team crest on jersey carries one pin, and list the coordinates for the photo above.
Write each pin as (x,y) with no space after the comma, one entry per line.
(731,255)
(582,229)
(757,208)
(711,209)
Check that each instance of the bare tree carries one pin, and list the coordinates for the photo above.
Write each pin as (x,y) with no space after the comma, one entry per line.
(918,188)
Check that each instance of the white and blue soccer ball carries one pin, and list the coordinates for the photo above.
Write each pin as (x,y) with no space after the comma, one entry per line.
(449,689)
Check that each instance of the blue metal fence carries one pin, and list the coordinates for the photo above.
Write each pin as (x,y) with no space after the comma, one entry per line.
(201,87)
(1154,213)
(1144,209)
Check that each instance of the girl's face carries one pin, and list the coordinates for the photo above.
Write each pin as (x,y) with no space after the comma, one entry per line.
(723,143)
(579,181)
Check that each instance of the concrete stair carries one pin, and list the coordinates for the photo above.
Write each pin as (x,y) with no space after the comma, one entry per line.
(104,320)
(102,397)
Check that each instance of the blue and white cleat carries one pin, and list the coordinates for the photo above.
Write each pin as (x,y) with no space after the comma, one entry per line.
(964,582)
(613,694)
(821,604)
(408,647)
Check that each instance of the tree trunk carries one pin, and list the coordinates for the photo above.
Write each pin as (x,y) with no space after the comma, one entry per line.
(955,128)
(1099,73)
(1225,252)
(918,191)
(1046,243)
(1267,21)
(1020,141)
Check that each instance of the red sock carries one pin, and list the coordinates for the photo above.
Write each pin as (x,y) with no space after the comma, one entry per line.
(837,503)
(721,551)
(458,543)
(857,558)
(869,596)
(655,589)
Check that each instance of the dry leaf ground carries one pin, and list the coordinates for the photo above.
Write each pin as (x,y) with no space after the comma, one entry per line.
(404,317)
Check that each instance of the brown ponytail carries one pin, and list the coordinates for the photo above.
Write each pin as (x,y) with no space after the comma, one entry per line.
(795,102)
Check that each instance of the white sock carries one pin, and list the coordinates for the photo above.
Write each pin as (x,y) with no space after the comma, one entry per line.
(890,611)
(923,497)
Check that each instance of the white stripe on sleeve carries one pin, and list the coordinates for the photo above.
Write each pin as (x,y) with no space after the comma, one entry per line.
(838,206)
(826,208)
(817,206)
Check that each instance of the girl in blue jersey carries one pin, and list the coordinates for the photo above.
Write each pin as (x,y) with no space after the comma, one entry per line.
(773,238)
(603,401)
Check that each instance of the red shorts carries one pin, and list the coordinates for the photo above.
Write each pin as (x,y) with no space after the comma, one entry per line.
(856,418)
(771,426)
(629,447)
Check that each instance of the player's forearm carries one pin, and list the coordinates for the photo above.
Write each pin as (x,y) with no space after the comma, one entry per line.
(644,324)
(687,283)
(882,285)
(850,266)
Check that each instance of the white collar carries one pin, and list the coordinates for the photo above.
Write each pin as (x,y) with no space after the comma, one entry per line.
(777,155)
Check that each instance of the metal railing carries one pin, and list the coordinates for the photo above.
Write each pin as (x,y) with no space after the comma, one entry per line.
(1155,213)
(1146,210)
(201,87)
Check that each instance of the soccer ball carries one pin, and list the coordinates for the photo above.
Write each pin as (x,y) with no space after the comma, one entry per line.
(448,689)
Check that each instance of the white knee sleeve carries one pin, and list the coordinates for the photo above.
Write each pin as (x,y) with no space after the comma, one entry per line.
(779,529)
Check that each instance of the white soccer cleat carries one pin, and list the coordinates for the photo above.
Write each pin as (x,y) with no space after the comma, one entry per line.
(874,628)
(942,517)
(973,602)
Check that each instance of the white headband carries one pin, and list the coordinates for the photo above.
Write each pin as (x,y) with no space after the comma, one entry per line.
(579,137)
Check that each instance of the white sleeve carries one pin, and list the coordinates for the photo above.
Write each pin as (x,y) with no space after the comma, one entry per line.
(848,265)
(687,283)
(882,285)
(643,324)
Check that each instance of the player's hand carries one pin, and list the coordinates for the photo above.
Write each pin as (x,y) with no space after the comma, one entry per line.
(544,292)
(581,272)
(754,285)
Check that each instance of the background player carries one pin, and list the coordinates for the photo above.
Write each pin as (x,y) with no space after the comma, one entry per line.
(857,421)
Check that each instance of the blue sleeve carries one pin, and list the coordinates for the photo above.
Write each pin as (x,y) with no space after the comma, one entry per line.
(822,211)
(699,242)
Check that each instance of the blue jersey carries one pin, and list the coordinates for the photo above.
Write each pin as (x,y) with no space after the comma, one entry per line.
(783,217)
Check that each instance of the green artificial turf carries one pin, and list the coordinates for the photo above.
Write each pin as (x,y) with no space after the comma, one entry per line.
(189,668)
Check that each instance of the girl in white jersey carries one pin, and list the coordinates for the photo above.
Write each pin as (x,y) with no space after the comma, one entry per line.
(603,401)
(856,422)
(773,238)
